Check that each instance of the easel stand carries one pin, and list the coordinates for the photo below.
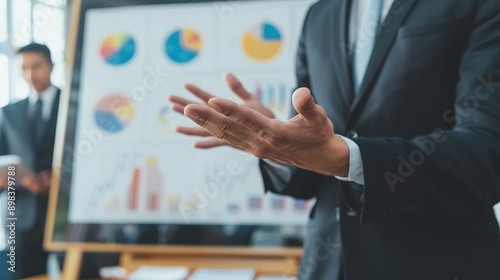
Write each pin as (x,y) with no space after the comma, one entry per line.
(263,261)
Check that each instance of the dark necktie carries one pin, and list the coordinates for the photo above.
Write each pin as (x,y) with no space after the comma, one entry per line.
(37,123)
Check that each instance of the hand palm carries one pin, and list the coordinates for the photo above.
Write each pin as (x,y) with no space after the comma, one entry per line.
(249,100)
(307,140)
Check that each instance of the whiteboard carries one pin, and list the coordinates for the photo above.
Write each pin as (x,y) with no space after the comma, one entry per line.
(129,165)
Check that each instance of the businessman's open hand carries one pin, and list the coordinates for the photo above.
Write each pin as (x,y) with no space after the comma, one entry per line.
(307,140)
(249,100)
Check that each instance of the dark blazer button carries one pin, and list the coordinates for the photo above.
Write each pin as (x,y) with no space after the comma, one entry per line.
(352,134)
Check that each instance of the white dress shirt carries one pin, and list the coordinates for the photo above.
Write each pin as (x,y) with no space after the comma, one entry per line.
(47,96)
(358,12)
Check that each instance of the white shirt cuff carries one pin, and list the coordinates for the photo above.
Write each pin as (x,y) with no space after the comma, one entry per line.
(356,173)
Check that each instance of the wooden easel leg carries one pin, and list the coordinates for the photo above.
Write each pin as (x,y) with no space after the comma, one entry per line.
(126,260)
(72,263)
(292,264)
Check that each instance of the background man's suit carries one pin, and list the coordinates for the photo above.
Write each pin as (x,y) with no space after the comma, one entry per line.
(428,197)
(16,139)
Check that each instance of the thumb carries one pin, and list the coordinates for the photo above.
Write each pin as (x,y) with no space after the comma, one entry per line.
(304,104)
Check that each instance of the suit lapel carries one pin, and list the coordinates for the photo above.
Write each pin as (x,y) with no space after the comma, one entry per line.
(19,119)
(385,40)
(340,49)
(21,129)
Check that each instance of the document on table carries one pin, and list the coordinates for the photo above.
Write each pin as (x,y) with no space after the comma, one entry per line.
(223,274)
(159,273)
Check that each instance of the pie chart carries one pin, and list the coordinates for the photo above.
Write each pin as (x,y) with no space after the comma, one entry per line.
(183,45)
(118,49)
(262,42)
(114,112)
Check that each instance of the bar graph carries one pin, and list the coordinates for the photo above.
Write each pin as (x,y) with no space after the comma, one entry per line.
(133,202)
(154,184)
(276,96)
(278,204)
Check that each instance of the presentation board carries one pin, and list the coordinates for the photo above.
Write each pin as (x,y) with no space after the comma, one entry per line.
(122,164)
(123,176)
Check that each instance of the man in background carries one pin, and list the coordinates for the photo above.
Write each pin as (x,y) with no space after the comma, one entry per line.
(27,129)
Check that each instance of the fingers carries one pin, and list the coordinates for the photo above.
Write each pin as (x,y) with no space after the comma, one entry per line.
(32,184)
(226,139)
(219,125)
(245,116)
(304,103)
(198,131)
(201,94)
(3,183)
(179,100)
(178,103)
(212,143)
(237,87)
(178,108)
(45,178)
(193,131)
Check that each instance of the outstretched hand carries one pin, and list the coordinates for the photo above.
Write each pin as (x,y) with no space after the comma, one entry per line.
(307,140)
(249,100)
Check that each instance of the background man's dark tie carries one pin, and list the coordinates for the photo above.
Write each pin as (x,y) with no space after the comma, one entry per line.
(37,123)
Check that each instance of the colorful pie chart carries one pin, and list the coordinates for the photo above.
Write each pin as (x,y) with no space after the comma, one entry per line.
(183,45)
(114,112)
(262,42)
(118,49)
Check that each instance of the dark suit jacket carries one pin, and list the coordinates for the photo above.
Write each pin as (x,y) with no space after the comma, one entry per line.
(427,122)
(16,139)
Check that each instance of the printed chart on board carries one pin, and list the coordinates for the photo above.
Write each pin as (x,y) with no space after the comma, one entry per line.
(130,165)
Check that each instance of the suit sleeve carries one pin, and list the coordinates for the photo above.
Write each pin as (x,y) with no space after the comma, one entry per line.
(453,173)
(303,183)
